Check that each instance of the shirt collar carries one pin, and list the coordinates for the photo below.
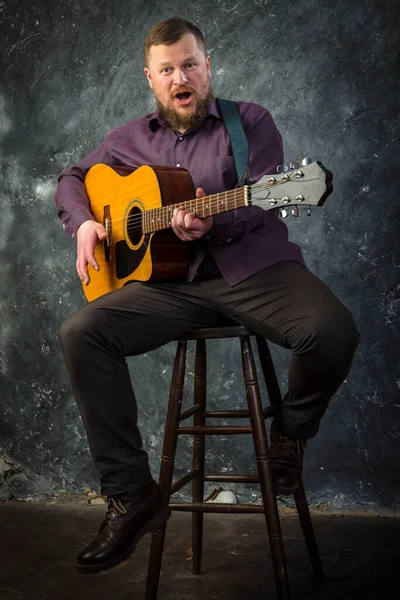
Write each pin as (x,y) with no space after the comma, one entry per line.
(156,120)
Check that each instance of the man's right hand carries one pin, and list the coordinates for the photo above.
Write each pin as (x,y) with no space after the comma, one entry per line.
(89,234)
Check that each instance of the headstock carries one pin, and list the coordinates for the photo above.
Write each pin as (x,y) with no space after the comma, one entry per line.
(308,184)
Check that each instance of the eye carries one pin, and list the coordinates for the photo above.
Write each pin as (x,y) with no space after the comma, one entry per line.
(166,70)
(190,65)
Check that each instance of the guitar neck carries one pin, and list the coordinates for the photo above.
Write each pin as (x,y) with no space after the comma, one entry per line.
(157,219)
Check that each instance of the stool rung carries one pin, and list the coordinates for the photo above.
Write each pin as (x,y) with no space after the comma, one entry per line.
(214,507)
(233,478)
(189,412)
(227,414)
(269,411)
(213,430)
(182,481)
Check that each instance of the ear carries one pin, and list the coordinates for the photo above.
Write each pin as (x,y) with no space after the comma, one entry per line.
(208,65)
(147,73)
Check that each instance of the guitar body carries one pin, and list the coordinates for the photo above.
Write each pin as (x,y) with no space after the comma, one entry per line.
(136,210)
(118,199)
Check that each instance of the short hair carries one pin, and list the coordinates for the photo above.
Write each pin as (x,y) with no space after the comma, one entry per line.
(170,31)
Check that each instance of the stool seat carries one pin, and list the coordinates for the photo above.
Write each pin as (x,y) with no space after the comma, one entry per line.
(212,333)
(197,475)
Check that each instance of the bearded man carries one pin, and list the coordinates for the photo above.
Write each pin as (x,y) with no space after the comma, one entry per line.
(242,266)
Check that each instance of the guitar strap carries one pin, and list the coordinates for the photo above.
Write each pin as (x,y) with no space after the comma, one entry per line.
(240,147)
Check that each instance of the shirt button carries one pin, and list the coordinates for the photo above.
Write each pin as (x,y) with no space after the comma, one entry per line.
(178,164)
(180,138)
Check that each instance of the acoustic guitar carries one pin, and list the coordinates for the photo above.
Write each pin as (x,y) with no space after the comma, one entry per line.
(136,210)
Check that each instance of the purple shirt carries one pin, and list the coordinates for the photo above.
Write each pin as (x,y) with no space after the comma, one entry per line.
(242,241)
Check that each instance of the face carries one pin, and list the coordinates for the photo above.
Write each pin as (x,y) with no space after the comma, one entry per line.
(179,75)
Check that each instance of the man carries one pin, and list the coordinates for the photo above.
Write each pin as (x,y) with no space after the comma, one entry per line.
(242,266)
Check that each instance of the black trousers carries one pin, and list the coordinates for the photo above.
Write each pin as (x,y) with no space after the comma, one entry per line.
(284,303)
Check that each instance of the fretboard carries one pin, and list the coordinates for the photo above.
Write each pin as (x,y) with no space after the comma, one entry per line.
(160,218)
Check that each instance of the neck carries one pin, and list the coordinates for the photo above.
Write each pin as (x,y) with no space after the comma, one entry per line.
(207,206)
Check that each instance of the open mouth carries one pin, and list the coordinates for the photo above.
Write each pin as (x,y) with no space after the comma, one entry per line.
(183,98)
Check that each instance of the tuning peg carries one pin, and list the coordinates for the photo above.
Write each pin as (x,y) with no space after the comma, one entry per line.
(306,161)
(295,211)
(283,213)
(294,165)
(282,168)
(309,211)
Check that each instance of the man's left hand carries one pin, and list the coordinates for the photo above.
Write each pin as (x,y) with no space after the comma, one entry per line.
(187,226)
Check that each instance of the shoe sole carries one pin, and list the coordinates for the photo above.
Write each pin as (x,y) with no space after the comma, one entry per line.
(152,526)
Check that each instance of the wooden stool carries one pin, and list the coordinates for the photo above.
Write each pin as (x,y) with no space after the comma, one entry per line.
(199,430)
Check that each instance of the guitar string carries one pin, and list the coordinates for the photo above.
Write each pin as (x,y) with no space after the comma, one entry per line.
(213,201)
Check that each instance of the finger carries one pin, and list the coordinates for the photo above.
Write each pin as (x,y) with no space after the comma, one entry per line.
(200,193)
(81,268)
(179,218)
(92,260)
(85,257)
(189,220)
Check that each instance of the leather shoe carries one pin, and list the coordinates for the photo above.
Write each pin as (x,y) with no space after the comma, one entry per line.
(286,459)
(126,521)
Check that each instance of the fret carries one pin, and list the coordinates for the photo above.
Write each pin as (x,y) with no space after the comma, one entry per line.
(161,217)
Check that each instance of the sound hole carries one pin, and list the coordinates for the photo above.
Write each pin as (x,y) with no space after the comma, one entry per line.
(134,225)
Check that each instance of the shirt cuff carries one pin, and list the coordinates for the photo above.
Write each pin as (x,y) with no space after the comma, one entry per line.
(77,218)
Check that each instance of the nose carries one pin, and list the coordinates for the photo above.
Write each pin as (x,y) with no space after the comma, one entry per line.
(180,77)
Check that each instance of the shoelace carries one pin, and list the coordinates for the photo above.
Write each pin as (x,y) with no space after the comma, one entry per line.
(289,446)
(115,508)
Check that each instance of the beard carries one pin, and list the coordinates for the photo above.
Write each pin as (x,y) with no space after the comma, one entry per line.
(192,121)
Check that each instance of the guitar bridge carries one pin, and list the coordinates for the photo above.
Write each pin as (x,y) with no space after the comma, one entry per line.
(107,222)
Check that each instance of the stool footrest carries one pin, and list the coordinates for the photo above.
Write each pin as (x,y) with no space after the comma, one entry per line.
(214,507)
(233,477)
(269,411)
(213,430)
(227,414)
(189,412)
(182,481)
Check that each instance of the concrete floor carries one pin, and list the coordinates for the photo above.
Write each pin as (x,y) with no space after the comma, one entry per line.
(39,543)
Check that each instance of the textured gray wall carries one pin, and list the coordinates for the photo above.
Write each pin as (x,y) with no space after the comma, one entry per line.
(327,71)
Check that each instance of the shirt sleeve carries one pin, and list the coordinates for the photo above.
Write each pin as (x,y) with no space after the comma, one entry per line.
(71,199)
(266,153)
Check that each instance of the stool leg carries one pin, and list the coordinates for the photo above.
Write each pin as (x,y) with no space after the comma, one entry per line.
(275,398)
(264,470)
(167,466)
(308,530)
(199,453)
